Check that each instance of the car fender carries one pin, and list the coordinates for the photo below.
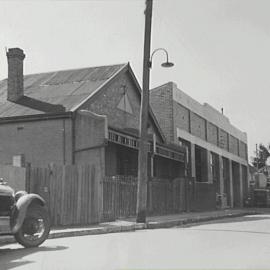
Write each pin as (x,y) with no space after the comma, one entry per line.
(20,208)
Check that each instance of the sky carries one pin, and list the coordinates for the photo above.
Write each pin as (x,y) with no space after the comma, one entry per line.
(220,48)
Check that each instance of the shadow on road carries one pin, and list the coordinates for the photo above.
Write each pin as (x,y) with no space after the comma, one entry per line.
(230,220)
(228,230)
(11,258)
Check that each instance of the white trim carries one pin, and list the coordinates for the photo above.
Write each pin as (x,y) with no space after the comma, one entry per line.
(124,104)
(98,89)
(210,147)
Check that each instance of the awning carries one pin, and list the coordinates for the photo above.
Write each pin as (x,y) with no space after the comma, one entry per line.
(154,148)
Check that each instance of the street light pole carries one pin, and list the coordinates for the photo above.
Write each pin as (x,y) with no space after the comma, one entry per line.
(143,145)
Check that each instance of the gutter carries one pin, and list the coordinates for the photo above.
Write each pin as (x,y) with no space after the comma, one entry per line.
(91,147)
(35,117)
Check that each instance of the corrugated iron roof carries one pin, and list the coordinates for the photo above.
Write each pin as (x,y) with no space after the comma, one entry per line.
(68,88)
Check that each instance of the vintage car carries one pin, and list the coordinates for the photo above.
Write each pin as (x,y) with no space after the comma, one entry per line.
(23,215)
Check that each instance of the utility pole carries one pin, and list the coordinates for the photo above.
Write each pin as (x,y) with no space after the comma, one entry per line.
(143,145)
(257,156)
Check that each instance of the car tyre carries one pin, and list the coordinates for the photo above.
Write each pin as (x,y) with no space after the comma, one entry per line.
(35,228)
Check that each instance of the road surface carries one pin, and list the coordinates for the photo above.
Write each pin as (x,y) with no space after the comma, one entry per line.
(226,244)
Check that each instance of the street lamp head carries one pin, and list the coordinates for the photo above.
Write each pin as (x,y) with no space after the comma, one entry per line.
(167,64)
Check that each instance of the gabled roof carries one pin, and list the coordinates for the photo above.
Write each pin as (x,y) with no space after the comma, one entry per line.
(151,113)
(68,88)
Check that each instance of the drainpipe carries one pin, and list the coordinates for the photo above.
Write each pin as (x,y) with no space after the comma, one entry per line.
(73,138)
(64,141)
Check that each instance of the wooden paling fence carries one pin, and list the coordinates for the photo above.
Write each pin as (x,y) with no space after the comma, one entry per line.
(70,192)
(75,196)
(120,196)
(166,196)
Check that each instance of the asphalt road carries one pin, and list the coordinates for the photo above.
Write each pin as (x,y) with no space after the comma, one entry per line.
(227,244)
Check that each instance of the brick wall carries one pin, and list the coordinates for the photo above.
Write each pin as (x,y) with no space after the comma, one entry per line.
(223,139)
(14,176)
(233,145)
(42,142)
(161,103)
(106,102)
(242,150)
(89,130)
(184,113)
(197,126)
(181,116)
(212,133)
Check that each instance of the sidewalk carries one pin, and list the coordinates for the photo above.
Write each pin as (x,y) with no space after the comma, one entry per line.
(129,224)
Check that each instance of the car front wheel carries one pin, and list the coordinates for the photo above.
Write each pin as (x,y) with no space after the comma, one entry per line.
(35,228)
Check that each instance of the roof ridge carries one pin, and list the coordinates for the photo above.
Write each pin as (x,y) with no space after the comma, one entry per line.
(73,69)
(65,95)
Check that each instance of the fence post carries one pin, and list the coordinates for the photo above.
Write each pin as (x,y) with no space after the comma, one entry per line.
(175,197)
(99,185)
(150,197)
(187,192)
(27,177)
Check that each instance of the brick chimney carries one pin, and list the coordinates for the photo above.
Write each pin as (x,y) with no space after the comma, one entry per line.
(15,58)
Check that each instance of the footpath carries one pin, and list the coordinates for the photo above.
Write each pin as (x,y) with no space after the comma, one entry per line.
(152,222)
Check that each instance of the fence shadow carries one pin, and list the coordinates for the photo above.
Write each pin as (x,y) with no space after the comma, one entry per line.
(11,258)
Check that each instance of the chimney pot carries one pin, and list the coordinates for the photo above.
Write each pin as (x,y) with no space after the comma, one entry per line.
(15,57)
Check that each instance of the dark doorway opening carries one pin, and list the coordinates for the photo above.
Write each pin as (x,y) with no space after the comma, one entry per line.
(201,164)
(236,184)
(245,181)
(214,162)
(226,179)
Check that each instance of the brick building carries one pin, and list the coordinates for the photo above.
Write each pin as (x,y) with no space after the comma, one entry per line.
(88,115)
(216,150)
(91,116)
